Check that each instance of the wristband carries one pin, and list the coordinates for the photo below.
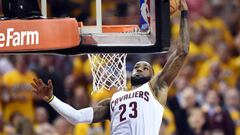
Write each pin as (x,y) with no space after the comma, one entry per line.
(184,13)
(51,99)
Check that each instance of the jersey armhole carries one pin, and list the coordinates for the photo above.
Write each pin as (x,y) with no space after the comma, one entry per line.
(156,98)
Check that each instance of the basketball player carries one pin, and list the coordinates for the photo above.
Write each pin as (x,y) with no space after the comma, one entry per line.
(135,112)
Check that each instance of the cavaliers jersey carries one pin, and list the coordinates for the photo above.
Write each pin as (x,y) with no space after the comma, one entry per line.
(135,112)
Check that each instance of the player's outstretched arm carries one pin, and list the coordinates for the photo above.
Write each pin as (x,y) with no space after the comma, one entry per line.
(88,115)
(161,82)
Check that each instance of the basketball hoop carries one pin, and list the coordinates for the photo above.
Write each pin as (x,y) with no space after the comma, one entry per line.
(106,45)
(108,71)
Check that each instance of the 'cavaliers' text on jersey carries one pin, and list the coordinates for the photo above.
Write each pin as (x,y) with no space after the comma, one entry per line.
(135,112)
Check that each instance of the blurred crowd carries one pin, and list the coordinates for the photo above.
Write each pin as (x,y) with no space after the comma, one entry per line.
(204,99)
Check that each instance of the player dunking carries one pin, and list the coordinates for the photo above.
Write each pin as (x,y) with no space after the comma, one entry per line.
(135,112)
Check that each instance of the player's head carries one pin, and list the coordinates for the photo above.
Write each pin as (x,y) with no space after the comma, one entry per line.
(141,73)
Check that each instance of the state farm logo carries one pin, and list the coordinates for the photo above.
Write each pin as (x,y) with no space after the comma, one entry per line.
(18,38)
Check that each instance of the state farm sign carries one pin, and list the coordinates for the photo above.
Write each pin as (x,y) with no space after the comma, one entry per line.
(38,35)
(15,38)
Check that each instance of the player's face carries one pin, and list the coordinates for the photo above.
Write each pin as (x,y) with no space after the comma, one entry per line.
(142,73)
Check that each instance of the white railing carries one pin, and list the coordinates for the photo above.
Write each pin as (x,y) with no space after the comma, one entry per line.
(44,8)
(99,15)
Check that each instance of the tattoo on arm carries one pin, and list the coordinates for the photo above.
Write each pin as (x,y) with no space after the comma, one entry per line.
(184,37)
(164,79)
(102,111)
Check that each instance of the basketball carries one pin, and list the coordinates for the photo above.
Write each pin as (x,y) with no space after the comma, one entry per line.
(174,5)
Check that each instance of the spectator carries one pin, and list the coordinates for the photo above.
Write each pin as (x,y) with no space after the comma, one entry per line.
(180,84)
(197,122)
(215,24)
(188,72)
(80,98)
(195,6)
(9,130)
(70,84)
(62,126)
(18,83)
(21,125)
(46,129)
(217,119)
(224,8)
(42,126)
(5,65)
(220,68)
(232,106)
(181,105)
(202,88)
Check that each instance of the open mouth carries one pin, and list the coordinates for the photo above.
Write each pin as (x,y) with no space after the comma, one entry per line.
(138,75)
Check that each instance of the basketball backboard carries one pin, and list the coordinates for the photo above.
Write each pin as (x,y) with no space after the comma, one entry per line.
(132,26)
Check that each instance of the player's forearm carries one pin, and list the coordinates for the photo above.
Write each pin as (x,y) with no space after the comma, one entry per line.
(176,59)
(72,115)
(182,47)
(184,37)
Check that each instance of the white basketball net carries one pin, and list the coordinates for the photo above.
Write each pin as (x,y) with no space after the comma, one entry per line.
(108,71)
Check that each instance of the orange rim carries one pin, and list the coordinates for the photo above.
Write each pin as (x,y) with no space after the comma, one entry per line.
(115,28)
